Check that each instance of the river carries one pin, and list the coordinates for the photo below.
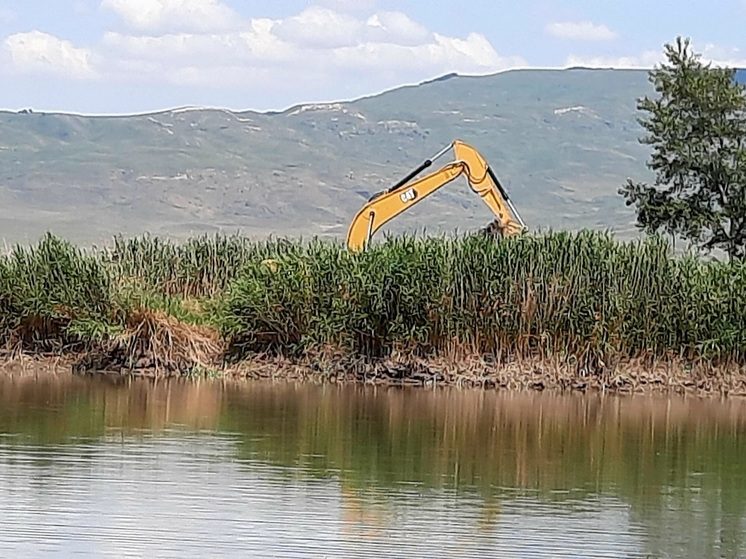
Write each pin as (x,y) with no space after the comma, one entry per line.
(114,467)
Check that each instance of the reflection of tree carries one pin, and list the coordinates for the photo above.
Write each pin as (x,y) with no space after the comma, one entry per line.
(678,463)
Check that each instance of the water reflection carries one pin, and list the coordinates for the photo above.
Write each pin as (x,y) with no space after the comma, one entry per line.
(299,470)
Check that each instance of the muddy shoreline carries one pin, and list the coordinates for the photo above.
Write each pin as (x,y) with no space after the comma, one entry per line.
(629,377)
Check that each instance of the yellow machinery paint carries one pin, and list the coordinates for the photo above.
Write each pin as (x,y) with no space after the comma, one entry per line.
(385,206)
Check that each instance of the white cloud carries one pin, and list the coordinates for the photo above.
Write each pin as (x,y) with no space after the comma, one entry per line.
(471,55)
(730,57)
(717,55)
(318,27)
(174,15)
(256,44)
(331,53)
(396,27)
(350,6)
(580,31)
(317,45)
(647,59)
(39,52)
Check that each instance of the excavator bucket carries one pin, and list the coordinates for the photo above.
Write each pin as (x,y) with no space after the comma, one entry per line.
(494,229)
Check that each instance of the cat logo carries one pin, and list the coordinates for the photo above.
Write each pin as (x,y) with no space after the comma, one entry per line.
(408,196)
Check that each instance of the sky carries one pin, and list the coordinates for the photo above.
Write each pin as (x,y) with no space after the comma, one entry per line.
(125,56)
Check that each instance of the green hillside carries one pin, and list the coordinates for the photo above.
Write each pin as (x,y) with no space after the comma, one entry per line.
(562,141)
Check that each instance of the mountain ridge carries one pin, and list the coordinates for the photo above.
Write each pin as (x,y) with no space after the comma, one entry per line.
(443,77)
(562,141)
(740,77)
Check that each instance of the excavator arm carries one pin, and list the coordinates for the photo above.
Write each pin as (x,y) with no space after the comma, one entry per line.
(385,206)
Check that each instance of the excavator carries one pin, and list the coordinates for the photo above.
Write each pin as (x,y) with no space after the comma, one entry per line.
(384,206)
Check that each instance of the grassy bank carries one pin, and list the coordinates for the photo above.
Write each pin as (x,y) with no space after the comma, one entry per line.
(583,301)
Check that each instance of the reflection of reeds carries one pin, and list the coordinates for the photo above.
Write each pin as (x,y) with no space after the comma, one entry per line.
(632,447)
(639,449)
(527,440)
(377,442)
(48,406)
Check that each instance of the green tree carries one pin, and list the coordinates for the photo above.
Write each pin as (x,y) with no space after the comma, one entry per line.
(697,128)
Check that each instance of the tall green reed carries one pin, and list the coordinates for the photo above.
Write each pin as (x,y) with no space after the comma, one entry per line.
(573,295)
(49,288)
(583,295)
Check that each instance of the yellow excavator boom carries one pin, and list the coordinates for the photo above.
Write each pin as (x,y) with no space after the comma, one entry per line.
(385,206)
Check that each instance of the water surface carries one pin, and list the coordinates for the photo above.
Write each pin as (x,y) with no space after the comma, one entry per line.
(119,467)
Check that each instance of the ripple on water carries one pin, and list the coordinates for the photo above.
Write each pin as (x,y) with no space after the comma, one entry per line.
(171,496)
(306,472)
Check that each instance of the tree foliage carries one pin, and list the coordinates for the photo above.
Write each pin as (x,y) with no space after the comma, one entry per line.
(697,129)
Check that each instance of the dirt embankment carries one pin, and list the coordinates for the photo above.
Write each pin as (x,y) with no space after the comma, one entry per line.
(633,376)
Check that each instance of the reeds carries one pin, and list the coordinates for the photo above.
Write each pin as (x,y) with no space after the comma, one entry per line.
(49,291)
(583,297)
(202,266)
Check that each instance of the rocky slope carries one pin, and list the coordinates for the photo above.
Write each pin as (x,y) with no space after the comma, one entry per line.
(562,141)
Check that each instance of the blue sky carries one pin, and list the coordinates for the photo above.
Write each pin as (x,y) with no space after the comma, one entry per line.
(118,56)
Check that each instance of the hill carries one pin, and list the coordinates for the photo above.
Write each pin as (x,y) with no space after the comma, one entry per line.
(562,141)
